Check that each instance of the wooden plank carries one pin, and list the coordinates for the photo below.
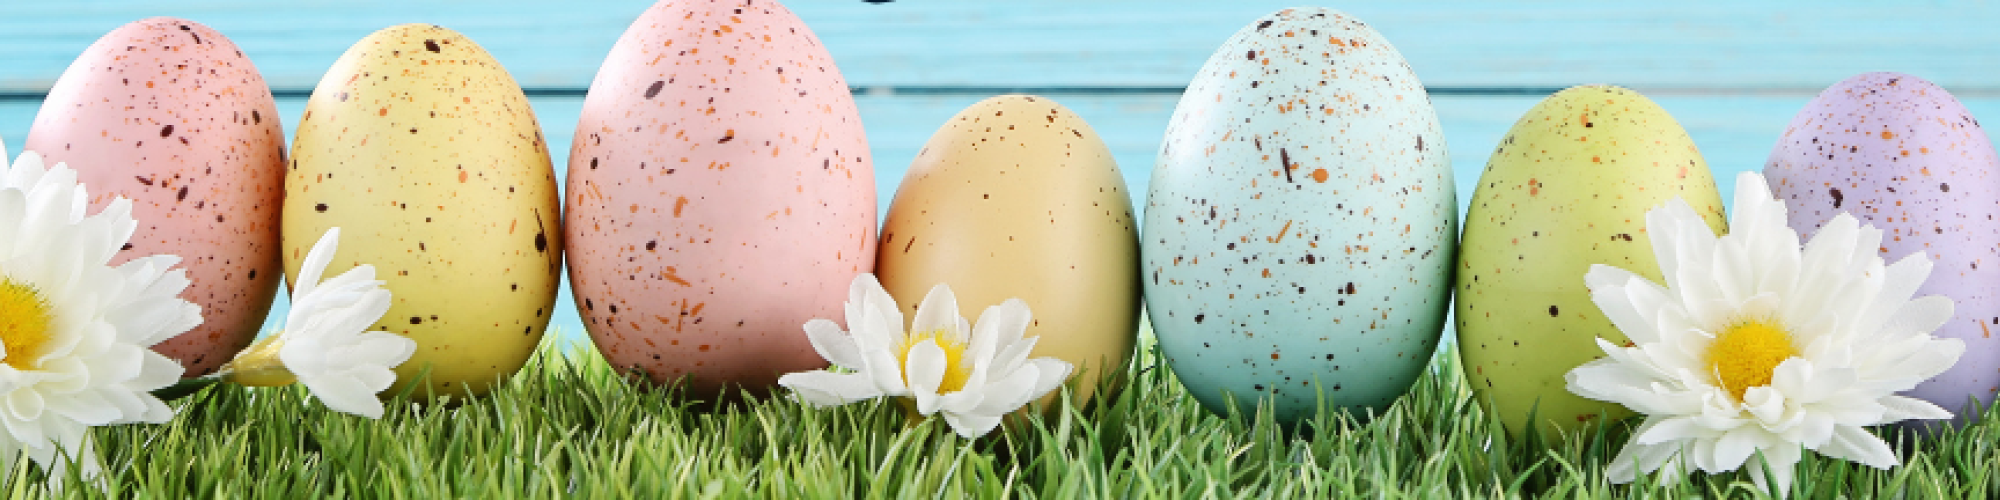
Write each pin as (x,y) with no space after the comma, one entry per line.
(1699,45)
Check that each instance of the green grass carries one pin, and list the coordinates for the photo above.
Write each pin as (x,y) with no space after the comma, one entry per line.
(568,425)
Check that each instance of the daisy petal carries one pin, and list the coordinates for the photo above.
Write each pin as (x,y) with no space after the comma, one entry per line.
(821,388)
(832,344)
(938,311)
(344,393)
(925,368)
(1902,408)
(886,371)
(971,425)
(1858,446)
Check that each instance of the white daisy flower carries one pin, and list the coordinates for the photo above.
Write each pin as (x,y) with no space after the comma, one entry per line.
(1756,345)
(973,374)
(76,334)
(325,344)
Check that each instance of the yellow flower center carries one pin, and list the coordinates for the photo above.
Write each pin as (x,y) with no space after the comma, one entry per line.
(1747,353)
(955,371)
(24,323)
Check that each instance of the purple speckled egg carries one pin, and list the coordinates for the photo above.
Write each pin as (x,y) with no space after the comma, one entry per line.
(169,113)
(1903,155)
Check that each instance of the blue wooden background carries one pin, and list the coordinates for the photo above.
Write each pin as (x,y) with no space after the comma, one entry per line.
(1732,72)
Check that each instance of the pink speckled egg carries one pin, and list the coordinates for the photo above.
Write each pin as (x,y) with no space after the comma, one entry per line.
(1903,155)
(720,195)
(169,113)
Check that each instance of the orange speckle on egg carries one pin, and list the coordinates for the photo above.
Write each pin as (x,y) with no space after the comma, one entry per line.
(1886,135)
(1319,175)
(672,274)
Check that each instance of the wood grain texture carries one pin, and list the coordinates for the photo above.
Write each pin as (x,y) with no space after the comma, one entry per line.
(1692,46)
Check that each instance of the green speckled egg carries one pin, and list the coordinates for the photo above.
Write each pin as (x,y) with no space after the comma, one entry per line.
(1568,187)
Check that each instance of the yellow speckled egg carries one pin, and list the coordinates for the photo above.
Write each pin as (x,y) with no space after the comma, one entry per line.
(1568,187)
(1017,197)
(422,149)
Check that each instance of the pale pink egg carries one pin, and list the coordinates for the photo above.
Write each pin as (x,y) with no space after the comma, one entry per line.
(720,195)
(169,113)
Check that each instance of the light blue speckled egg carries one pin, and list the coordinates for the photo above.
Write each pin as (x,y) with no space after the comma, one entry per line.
(1300,228)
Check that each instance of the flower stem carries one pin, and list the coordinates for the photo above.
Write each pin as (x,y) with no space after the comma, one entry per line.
(187,387)
(911,418)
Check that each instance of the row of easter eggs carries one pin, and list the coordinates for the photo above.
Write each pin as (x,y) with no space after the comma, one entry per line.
(720,194)
(1301,232)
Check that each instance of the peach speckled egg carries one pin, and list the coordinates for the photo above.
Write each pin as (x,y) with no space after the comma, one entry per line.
(1902,154)
(1017,197)
(720,195)
(427,155)
(169,113)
